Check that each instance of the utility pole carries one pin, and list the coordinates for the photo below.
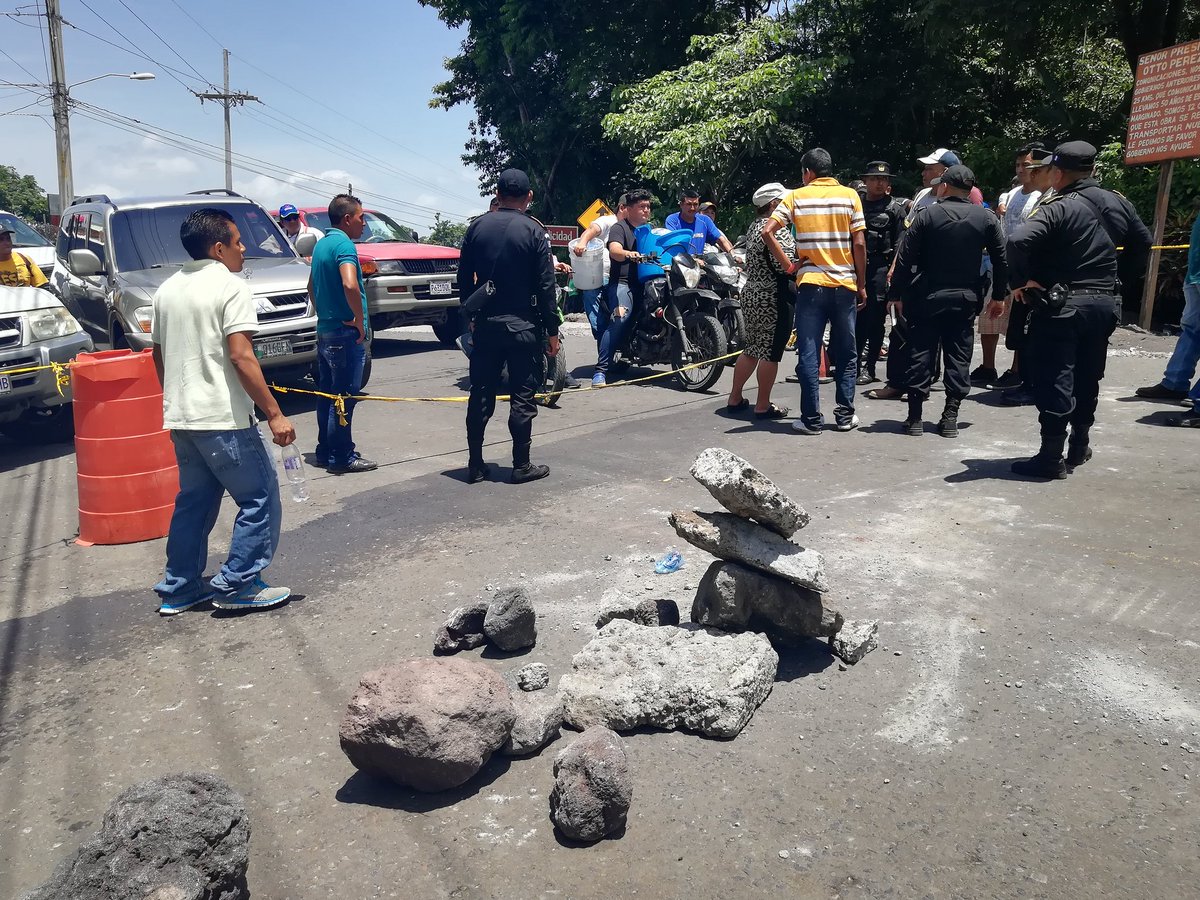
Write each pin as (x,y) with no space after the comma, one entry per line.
(228,100)
(60,98)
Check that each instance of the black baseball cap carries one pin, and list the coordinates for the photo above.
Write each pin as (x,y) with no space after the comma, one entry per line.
(878,167)
(1074,156)
(957,177)
(1039,158)
(513,183)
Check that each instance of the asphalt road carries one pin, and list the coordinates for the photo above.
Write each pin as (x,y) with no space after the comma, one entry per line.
(1022,734)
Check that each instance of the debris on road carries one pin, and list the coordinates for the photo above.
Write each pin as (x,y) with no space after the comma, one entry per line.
(855,640)
(733,597)
(745,491)
(670,677)
(532,677)
(645,612)
(511,623)
(184,835)
(593,788)
(428,724)
(539,718)
(463,629)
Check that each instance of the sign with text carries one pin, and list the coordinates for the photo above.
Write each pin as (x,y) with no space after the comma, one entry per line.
(561,235)
(592,213)
(1164,121)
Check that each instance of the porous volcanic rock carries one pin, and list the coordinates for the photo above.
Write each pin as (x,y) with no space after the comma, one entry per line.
(734,597)
(745,491)
(463,629)
(511,623)
(592,786)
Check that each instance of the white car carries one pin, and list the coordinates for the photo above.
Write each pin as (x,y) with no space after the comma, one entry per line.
(35,330)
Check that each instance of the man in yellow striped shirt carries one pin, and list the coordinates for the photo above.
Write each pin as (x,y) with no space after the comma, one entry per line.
(830,283)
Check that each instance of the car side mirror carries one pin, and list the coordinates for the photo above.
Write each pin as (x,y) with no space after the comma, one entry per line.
(305,244)
(85,263)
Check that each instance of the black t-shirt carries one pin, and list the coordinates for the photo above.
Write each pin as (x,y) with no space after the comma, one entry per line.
(621,233)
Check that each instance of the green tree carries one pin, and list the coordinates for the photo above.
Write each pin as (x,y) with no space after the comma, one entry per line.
(21,194)
(445,232)
(540,80)
(700,124)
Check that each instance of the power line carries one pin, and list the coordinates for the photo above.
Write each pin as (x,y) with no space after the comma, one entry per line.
(243,161)
(19,108)
(131,49)
(18,65)
(198,25)
(164,42)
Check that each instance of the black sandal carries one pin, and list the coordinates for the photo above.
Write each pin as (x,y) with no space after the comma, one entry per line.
(737,407)
(772,412)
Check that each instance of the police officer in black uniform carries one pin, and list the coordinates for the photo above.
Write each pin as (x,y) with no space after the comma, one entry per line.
(1063,264)
(938,289)
(885,219)
(511,251)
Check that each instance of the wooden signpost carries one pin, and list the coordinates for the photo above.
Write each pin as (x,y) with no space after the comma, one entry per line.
(1164,125)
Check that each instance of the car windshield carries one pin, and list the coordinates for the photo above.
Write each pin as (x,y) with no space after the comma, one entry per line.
(380,228)
(24,236)
(149,238)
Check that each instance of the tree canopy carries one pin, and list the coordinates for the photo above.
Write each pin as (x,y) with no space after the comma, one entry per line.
(21,194)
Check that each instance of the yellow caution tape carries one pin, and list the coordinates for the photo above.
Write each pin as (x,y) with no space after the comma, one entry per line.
(339,400)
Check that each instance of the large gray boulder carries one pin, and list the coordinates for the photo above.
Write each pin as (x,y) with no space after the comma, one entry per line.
(429,724)
(592,786)
(539,718)
(179,837)
(733,597)
(747,492)
(670,677)
(511,623)
(735,539)
(463,629)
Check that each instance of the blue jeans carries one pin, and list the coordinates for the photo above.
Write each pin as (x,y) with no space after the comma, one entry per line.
(610,342)
(591,306)
(211,463)
(340,360)
(816,306)
(1182,366)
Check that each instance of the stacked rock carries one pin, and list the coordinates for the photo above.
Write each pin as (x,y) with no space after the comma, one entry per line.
(762,581)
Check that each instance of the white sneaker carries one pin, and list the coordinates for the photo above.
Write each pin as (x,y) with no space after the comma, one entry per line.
(847,426)
(801,427)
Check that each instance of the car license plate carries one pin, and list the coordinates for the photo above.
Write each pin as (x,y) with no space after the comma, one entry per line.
(270,349)
(5,384)
(439,289)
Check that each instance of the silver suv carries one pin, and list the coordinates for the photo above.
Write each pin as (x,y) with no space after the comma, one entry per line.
(112,255)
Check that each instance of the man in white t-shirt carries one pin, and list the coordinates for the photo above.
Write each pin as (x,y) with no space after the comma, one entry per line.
(591,298)
(202,328)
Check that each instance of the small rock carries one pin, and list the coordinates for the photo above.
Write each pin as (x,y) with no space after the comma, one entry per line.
(593,787)
(539,717)
(783,854)
(898,653)
(652,613)
(463,630)
(532,677)
(511,623)
(855,640)
(1166,768)
(607,558)
(1020,684)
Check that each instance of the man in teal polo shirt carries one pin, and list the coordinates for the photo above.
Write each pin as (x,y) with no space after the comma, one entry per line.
(336,286)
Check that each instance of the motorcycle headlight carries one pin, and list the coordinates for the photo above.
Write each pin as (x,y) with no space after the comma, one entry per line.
(389,267)
(145,317)
(51,323)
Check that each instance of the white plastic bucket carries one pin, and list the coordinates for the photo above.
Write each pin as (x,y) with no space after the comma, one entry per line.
(588,269)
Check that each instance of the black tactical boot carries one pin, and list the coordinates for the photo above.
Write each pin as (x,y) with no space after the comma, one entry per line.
(1048,463)
(1078,449)
(948,426)
(914,425)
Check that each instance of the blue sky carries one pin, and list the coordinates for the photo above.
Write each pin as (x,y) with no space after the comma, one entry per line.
(365,120)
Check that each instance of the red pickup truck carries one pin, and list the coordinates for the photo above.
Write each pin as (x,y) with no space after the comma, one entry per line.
(407,283)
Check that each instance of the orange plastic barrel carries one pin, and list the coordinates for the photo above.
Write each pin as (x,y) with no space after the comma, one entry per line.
(127,474)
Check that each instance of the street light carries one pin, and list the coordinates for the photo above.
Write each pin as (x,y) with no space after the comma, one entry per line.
(60,94)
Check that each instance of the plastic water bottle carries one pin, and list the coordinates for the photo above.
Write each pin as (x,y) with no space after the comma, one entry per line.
(671,562)
(293,468)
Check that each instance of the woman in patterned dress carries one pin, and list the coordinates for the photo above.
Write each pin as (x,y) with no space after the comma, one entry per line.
(767,307)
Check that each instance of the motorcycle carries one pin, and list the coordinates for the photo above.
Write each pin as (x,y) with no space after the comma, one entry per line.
(727,280)
(677,325)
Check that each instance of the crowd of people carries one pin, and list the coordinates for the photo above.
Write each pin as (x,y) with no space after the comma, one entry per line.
(818,258)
